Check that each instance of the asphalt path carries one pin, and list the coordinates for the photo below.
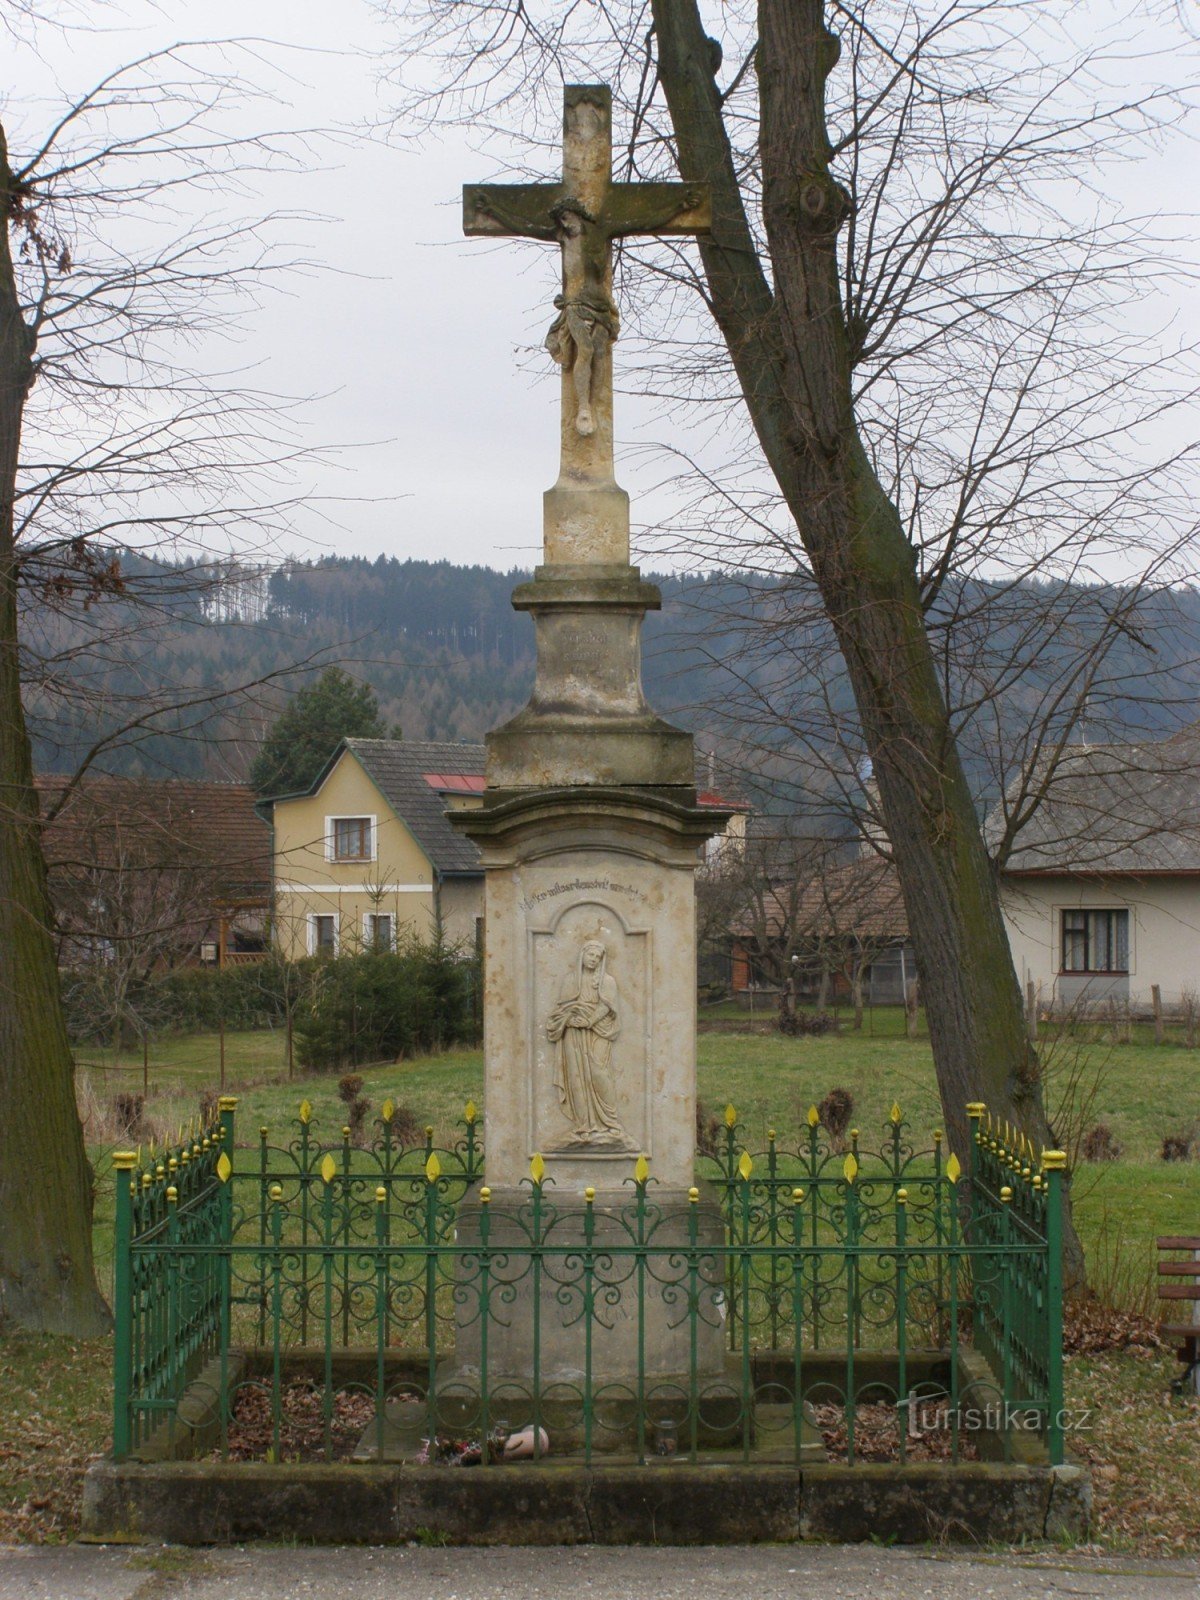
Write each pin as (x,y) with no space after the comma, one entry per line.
(588,1572)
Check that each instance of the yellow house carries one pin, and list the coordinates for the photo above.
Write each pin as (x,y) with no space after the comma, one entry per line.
(365,855)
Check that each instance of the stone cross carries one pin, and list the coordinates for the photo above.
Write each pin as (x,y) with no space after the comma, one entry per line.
(583,213)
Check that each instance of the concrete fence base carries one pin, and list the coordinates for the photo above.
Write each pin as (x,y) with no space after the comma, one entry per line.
(196,1503)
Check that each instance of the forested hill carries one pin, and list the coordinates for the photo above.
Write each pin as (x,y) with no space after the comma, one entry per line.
(731,656)
(450,658)
(440,645)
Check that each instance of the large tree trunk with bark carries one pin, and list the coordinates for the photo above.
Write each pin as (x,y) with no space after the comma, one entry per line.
(47,1280)
(790,346)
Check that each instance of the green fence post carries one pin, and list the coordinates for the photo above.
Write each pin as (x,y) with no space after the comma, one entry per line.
(976,1109)
(227,1107)
(381,1305)
(1054,1165)
(124,1162)
(903,1410)
(1007,1303)
(798,1320)
(693,1314)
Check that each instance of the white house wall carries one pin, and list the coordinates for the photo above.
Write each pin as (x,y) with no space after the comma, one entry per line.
(1164,935)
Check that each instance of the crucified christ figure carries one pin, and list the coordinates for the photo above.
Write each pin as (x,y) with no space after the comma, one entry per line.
(587,322)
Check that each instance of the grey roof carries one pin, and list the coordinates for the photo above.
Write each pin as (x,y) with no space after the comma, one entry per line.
(397,768)
(1115,808)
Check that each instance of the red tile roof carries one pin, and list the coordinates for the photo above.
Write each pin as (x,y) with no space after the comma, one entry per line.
(207,828)
(456,782)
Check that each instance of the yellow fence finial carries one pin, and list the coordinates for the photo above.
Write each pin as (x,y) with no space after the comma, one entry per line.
(745,1166)
(433,1168)
(537,1168)
(641,1169)
(730,1116)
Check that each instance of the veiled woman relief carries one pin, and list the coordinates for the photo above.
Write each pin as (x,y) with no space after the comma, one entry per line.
(582,1028)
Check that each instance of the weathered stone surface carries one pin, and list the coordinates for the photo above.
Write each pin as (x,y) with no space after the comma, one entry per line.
(663,1327)
(664,1503)
(565,870)
(196,1425)
(677,1503)
(971,1501)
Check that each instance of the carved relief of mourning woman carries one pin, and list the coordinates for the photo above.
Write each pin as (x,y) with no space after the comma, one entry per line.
(583,1026)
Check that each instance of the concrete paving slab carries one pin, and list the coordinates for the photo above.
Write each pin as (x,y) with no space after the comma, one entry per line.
(770,1572)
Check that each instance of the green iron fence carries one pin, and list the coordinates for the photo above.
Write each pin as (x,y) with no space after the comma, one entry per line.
(800,1298)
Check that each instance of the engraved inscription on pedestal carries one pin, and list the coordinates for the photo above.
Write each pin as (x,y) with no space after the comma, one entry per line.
(590,1009)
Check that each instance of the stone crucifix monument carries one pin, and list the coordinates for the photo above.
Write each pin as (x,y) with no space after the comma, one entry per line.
(590,830)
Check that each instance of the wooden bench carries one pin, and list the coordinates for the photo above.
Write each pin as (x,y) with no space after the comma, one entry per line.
(1179,1281)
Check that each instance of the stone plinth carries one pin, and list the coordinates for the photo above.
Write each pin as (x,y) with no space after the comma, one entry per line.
(588,720)
(641,1327)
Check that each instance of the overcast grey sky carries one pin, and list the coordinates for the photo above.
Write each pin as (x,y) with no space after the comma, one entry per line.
(413,337)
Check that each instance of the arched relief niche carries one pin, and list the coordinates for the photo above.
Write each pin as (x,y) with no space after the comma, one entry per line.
(589,1007)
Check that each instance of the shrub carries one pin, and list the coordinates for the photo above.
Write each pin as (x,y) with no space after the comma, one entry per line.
(708,1131)
(129,1115)
(1099,1145)
(1178,1146)
(796,1023)
(382,1006)
(407,1128)
(357,1105)
(835,1112)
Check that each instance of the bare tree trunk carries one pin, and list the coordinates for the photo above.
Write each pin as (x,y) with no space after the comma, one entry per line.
(910,1010)
(792,353)
(1156,1002)
(47,1280)
(856,990)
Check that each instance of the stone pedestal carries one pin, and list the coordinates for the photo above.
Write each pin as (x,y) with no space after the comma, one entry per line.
(568,869)
(589,1042)
(646,1311)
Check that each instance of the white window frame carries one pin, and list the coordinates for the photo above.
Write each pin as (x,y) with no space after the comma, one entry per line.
(1092,973)
(313,947)
(368,932)
(372,821)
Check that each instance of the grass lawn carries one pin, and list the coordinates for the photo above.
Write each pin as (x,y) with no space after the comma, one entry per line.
(1143,1445)
(1141,1091)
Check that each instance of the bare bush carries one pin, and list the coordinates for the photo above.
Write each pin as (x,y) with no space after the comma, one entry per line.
(1178,1146)
(1100,1145)
(835,1112)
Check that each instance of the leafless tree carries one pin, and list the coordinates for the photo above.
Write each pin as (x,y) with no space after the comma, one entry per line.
(943,378)
(112,434)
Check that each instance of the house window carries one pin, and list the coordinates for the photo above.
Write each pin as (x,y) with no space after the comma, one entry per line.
(352,838)
(322,936)
(377,930)
(1095,941)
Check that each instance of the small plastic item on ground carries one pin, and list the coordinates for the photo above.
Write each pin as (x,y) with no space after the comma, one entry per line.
(520,1444)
